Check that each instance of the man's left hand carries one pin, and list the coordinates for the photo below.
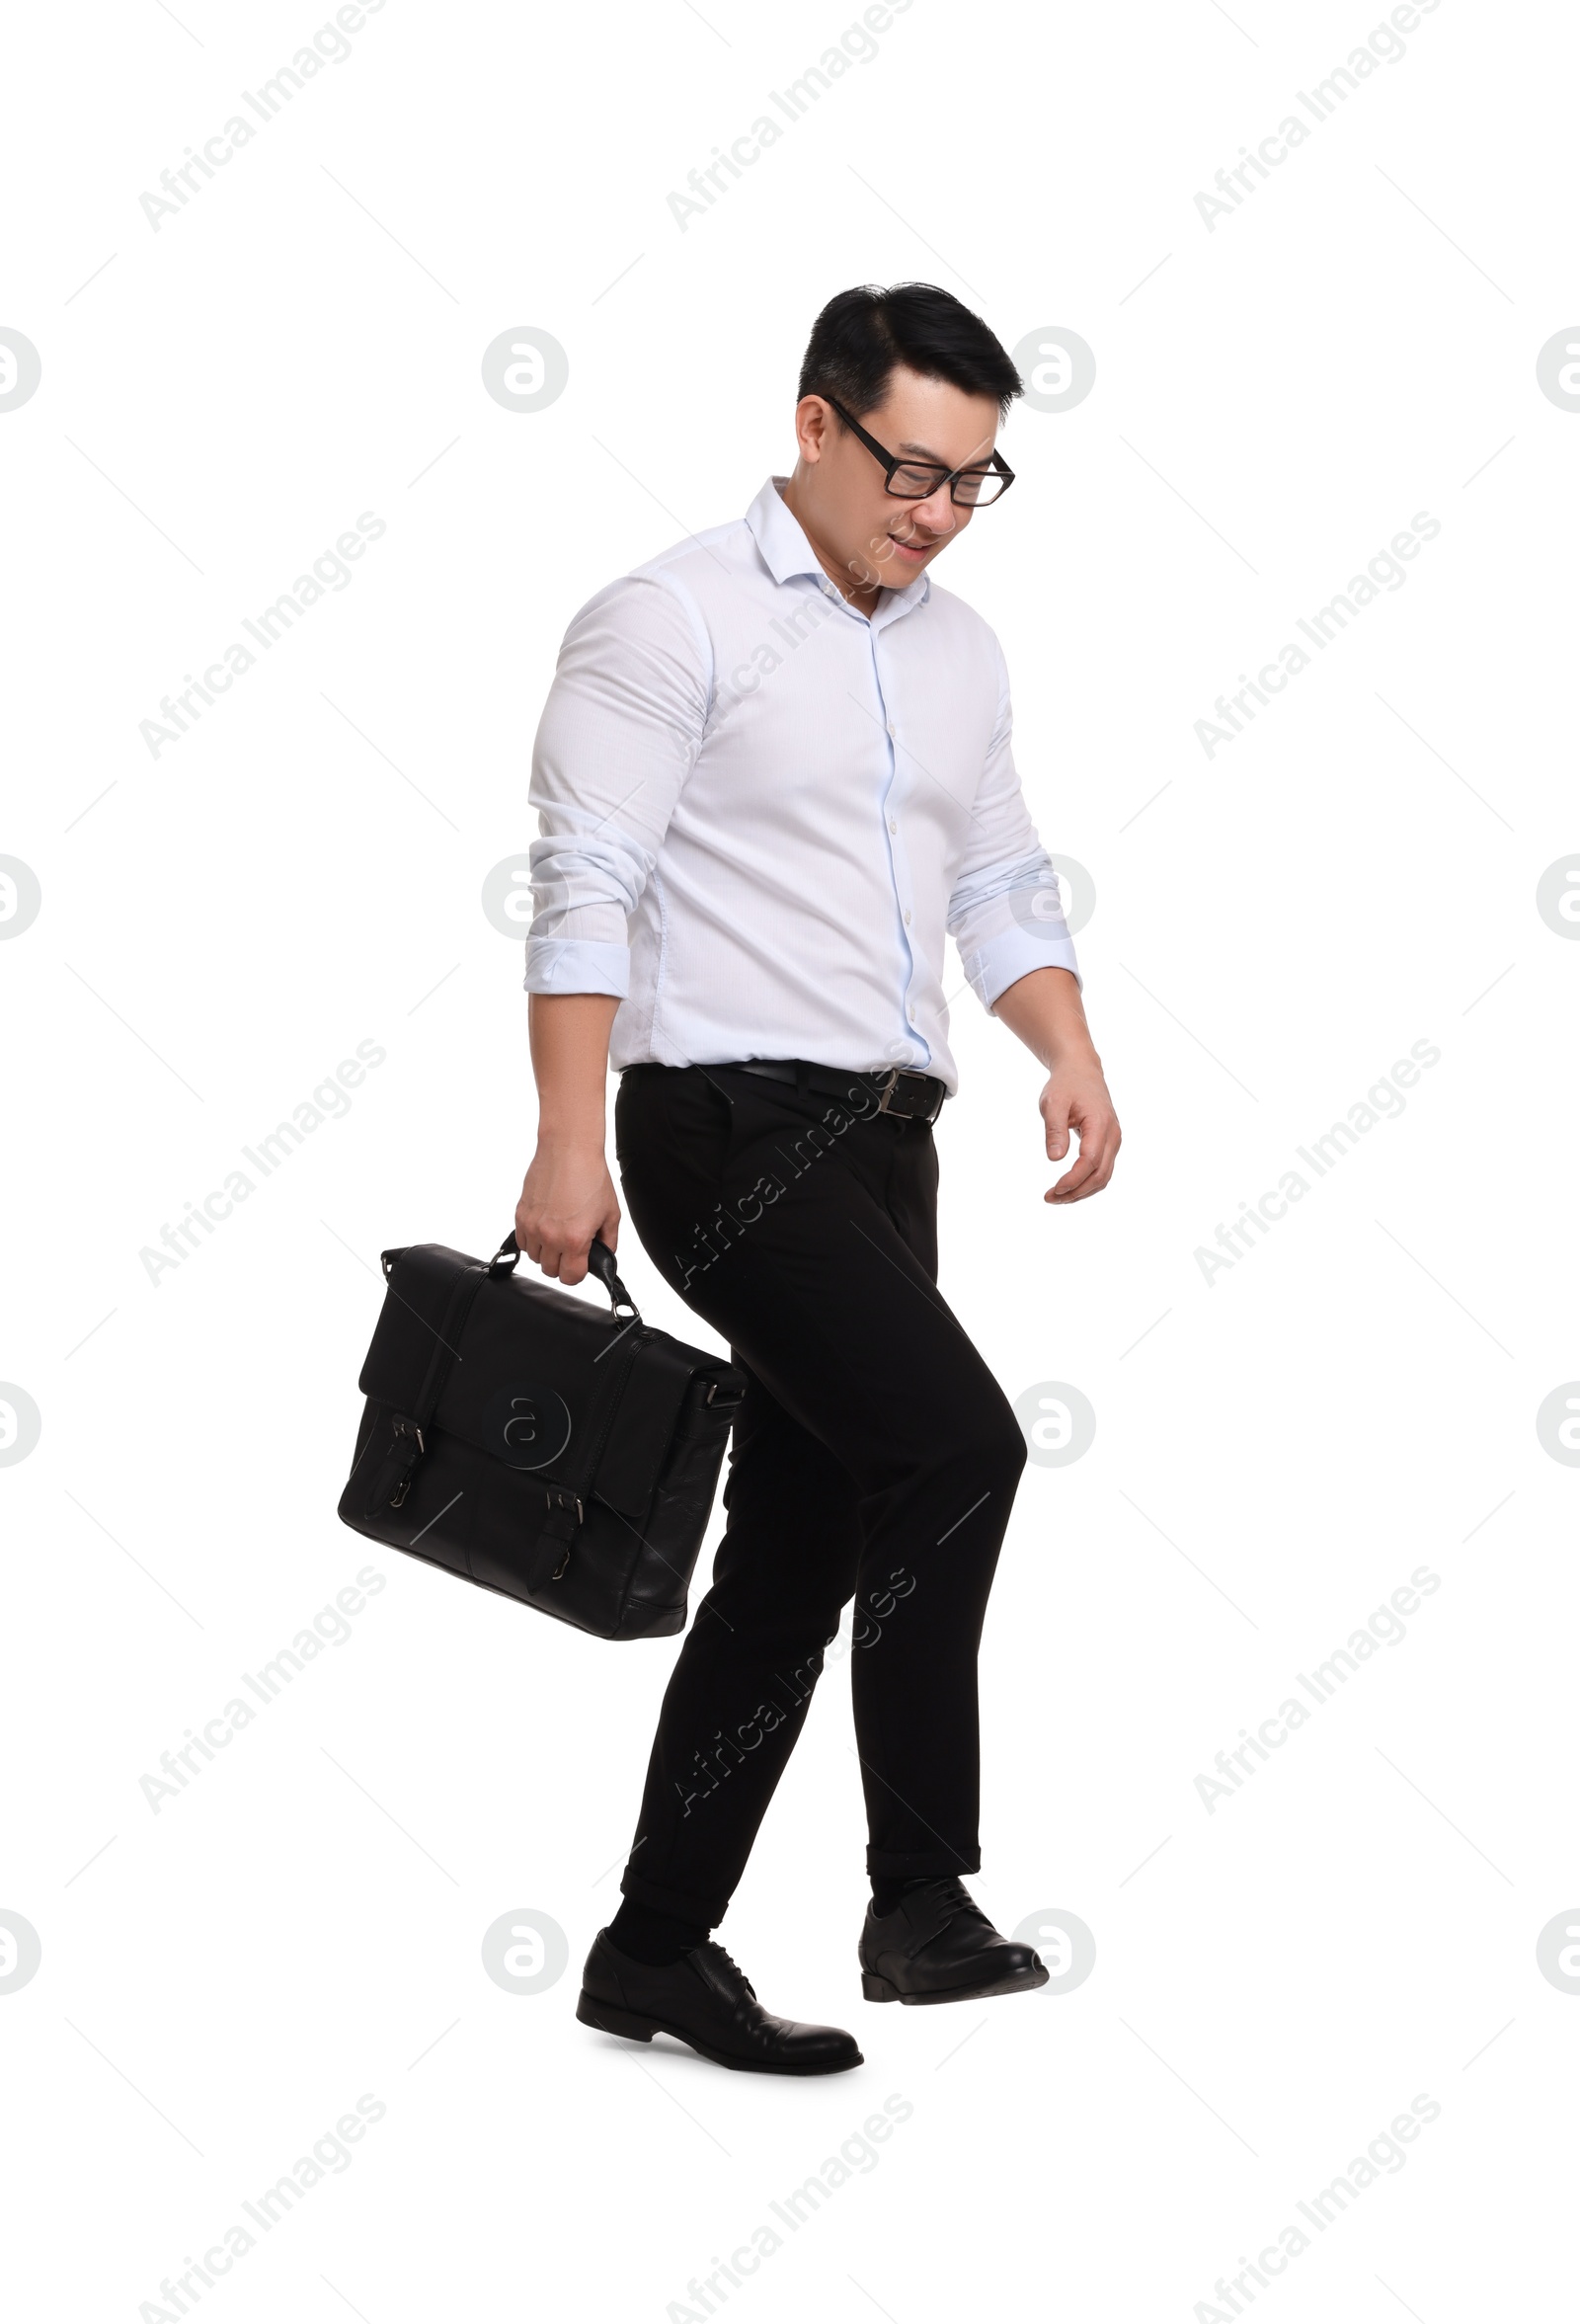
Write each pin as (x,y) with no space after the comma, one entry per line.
(1076,1098)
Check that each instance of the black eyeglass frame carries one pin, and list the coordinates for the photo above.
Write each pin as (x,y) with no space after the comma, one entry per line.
(889,462)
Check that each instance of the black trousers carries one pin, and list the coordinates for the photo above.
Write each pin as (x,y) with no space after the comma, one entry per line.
(874,1457)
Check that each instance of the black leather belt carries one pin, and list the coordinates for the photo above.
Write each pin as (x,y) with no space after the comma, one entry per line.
(913,1096)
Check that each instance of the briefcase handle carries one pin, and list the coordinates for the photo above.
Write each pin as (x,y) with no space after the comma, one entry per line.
(600,1261)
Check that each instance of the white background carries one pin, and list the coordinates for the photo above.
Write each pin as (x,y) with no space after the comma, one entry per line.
(1275,1452)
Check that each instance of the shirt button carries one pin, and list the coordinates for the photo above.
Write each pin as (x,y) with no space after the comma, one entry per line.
(907,919)
(891,726)
(892,826)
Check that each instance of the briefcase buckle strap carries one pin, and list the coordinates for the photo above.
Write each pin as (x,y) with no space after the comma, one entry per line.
(407,1432)
(561,1526)
(392,1480)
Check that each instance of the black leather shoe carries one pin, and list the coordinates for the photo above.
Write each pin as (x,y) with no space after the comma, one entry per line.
(937,1944)
(704,2000)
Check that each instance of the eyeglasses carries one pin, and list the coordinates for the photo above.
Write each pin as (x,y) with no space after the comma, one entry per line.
(970,487)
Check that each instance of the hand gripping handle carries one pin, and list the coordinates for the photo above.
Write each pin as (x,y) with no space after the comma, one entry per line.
(600,1261)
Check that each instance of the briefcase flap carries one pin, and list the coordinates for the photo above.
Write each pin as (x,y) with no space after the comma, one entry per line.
(644,1424)
(544,1382)
(423,1281)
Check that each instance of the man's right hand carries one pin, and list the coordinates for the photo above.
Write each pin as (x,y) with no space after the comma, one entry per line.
(567,1197)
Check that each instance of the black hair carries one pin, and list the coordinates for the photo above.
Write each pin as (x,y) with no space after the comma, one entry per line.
(862,335)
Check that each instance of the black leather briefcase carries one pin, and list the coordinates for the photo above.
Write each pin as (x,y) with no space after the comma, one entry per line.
(530,1442)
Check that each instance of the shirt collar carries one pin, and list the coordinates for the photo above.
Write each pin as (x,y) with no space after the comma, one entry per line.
(786,551)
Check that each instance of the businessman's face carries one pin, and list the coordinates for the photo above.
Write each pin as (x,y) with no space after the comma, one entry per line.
(839,496)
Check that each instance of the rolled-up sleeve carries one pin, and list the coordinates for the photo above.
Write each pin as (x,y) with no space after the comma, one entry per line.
(620,734)
(1004,910)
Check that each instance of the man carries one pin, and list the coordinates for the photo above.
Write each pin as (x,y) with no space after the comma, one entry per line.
(774,765)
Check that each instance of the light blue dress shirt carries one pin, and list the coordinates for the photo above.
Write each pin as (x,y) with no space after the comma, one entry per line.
(760,812)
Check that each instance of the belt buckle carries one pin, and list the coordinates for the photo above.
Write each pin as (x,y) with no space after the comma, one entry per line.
(897,1074)
(888,1088)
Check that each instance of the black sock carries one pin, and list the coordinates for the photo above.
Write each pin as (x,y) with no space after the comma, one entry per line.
(885,1894)
(656,1938)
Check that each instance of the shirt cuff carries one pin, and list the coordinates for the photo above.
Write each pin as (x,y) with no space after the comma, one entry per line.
(1002,960)
(571,964)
